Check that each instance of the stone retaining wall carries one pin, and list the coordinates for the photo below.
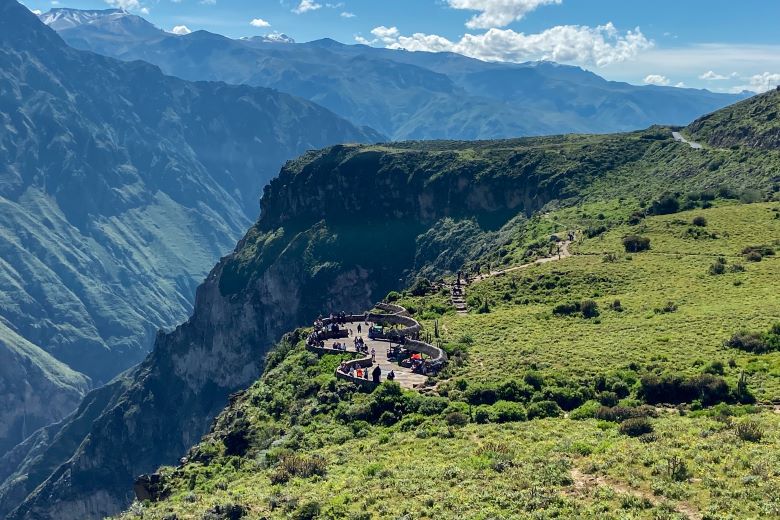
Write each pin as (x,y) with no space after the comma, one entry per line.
(396,315)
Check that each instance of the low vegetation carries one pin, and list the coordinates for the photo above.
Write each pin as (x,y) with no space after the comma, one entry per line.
(589,389)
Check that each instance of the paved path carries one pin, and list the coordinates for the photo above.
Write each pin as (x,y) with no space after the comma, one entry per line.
(679,137)
(564,253)
(403,376)
(458,290)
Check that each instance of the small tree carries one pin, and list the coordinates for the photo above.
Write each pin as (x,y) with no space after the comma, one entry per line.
(699,221)
(666,205)
(635,243)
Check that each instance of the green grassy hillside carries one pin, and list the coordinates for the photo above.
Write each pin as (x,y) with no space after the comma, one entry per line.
(530,417)
(752,123)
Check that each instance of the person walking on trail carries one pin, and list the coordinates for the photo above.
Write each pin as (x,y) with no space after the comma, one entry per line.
(373,355)
(376,374)
(391,375)
(359,329)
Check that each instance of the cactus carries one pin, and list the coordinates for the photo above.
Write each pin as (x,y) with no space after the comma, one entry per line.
(436,328)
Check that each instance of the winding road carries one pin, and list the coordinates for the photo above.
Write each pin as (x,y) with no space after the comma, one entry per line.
(679,137)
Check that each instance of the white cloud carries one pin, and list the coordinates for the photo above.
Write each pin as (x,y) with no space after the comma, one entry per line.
(680,84)
(36,12)
(656,79)
(497,13)
(259,22)
(763,82)
(602,45)
(305,6)
(181,30)
(129,5)
(713,76)
(347,14)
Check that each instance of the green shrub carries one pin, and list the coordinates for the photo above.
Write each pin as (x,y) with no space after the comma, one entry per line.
(622,413)
(589,309)
(636,243)
(481,394)
(608,398)
(482,414)
(294,465)
(719,267)
(393,296)
(542,409)
(666,205)
(756,342)
(534,379)
(594,231)
(514,391)
(715,368)
(676,389)
(566,309)
(586,411)
(456,419)
(307,511)
(421,287)
(668,308)
(749,431)
(505,411)
(636,426)
(699,221)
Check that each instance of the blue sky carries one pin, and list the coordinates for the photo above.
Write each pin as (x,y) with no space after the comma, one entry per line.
(722,45)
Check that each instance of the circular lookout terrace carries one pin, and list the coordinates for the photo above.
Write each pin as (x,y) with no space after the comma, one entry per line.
(387,340)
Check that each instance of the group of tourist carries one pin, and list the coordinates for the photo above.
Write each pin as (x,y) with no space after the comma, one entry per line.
(329,328)
(358,372)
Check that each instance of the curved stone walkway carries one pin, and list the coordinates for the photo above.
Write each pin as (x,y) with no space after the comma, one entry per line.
(407,332)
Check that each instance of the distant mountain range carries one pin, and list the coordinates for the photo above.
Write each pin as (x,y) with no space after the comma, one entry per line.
(405,95)
(119,188)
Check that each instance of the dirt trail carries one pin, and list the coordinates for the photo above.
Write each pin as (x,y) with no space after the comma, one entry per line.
(458,294)
(584,482)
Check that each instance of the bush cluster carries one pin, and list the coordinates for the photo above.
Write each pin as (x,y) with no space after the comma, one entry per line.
(757,342)
(675,389)
(636,243)
(588,309)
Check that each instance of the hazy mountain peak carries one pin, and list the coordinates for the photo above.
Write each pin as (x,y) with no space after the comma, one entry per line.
(274,37)
(61,18)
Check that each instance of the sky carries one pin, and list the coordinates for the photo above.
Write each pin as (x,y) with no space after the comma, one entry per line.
(721,45)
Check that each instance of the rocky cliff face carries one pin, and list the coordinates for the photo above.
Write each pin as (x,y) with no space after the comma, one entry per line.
(119,188)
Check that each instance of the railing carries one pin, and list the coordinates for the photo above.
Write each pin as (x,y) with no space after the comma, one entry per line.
(409,335)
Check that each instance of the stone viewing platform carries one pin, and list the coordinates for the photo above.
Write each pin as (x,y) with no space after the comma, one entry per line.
(387,340)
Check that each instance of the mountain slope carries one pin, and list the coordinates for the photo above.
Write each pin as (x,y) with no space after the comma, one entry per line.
(407,95)
(341,227)
(119,187)
(752,123)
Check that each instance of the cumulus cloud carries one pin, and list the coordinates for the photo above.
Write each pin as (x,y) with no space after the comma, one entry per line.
(259,22)
(36,12)
(763,82)
(181,30)
(656,79)
(347,14)
(602,45)
(497,13)
(305,6)
(713,76)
